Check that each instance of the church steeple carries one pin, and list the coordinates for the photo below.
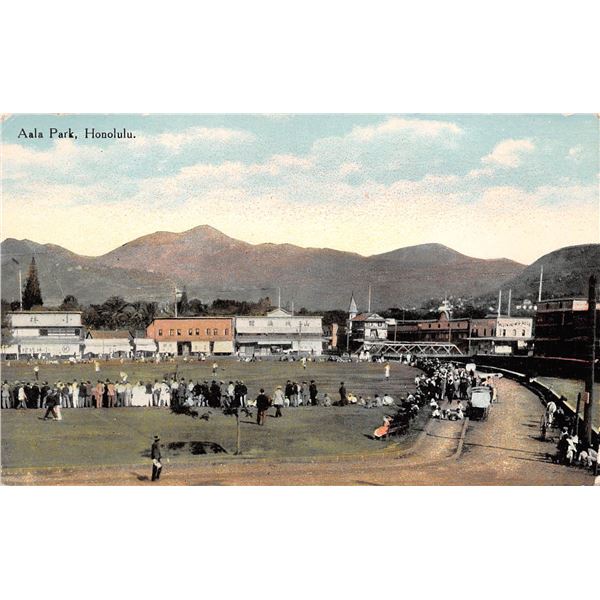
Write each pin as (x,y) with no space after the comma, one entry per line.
(352,309)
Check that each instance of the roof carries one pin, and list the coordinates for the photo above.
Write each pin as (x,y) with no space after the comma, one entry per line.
(279,312)
(196,318)
(109,335)
(368,317)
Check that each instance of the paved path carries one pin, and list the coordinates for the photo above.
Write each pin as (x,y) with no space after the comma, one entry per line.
(504,450)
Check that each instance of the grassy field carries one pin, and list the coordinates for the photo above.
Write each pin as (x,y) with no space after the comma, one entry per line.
(569,388)
(122,436)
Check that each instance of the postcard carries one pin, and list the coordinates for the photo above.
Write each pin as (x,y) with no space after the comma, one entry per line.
(300,299)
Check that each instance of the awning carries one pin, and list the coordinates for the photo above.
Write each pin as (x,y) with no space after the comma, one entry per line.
(10,349)
(144,345)
(201,346)
(223,348)
(106,346)
(53,349)
(170,347)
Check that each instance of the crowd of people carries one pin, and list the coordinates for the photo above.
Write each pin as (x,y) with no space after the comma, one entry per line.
(571,450)
(441,384)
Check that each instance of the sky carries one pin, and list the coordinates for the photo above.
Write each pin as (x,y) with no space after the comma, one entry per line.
(490,186)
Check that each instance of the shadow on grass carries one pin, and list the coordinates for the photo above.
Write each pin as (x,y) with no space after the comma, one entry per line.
(194,448)
(141,477)
(196,412)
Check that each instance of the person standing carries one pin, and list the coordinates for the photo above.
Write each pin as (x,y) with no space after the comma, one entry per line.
(215,368)
(99,394)
(6,403)
(278,400)
(312,392)
(262,405)
(343,394)
(21,397)
(387,371)
(111,393)
(156,456)
(36,372)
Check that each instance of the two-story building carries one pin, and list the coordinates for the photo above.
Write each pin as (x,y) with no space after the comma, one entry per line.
(279,331)
(43,334)
(562,328)
(501,334)
(182,336)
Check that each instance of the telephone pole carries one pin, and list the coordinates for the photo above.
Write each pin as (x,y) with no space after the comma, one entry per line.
(588,407)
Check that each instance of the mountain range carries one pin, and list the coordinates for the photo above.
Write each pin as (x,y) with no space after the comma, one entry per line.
(213,265)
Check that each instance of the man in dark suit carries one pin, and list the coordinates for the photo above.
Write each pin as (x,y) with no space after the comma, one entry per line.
(262,405)
(156,456)
(312,390)
(343,395)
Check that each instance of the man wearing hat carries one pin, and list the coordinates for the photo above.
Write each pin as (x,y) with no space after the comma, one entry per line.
(156,459)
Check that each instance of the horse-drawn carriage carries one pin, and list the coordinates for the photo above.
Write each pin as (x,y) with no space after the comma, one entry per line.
(479,403)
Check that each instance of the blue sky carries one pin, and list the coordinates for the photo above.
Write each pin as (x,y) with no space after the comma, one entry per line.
(487,185)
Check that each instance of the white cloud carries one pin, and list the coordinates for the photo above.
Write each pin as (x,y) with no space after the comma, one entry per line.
(347,168)
(192,135)
(413,127)
(509,153)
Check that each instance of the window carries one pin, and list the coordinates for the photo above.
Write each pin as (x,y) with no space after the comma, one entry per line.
(504,332)
(197,331)
(171,332)
(523,333)
(215,332)
(485,332)
(179,332)
(207,331)
(514,333)
(226,331)
(43,332)
(160,332)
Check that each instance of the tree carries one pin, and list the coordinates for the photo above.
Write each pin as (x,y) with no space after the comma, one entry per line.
(32,295)
(6,331)
(197,307)
(70,303)
(183,307)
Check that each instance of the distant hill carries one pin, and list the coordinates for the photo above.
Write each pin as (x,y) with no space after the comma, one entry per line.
(212,264)
(62,272)
(566,273)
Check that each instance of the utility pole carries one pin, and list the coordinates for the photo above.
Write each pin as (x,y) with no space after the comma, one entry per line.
(238,442)
(576,426)
(588,407)
(499,302)
(20,291)
(278,297)
(509,301)
(541,279)
(369,307)
(176,301)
